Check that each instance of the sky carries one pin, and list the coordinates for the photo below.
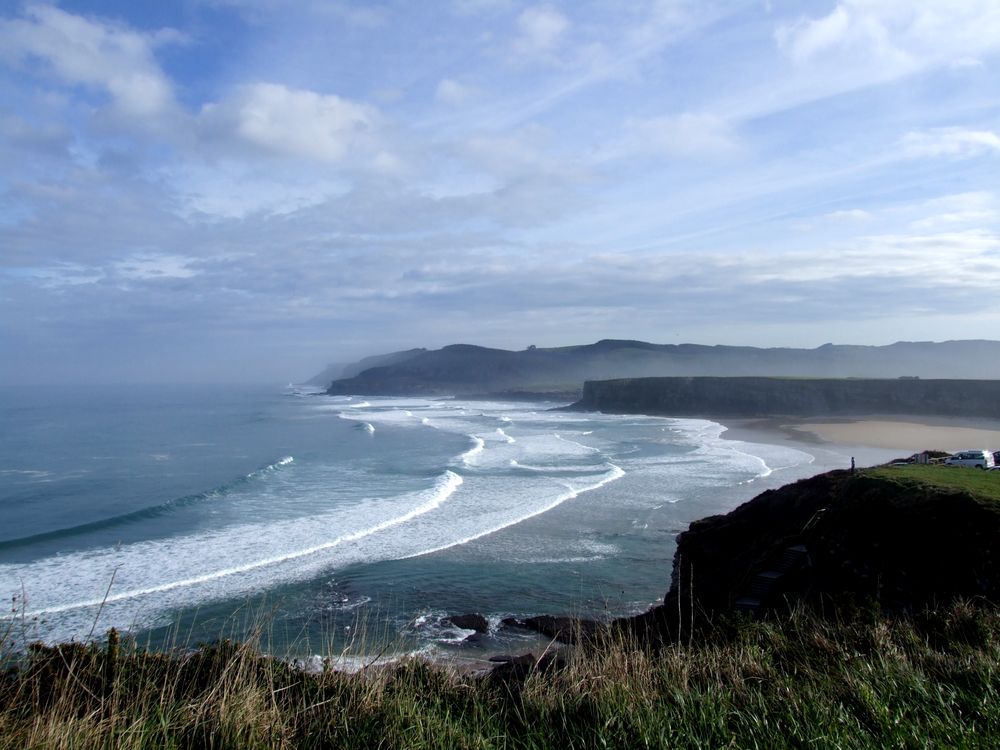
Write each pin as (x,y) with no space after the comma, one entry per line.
(245,190)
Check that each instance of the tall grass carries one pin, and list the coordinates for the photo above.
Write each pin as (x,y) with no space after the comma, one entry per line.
(931,681)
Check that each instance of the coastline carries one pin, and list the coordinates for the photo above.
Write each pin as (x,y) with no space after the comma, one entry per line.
(869,438)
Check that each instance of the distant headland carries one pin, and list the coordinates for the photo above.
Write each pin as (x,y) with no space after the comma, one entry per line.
(560,373)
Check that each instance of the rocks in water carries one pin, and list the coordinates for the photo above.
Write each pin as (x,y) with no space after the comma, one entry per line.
(568,630)
(471,621)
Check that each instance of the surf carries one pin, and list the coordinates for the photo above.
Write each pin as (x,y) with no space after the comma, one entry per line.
(115,560)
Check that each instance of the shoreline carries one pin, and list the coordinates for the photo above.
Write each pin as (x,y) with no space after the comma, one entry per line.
(871,438)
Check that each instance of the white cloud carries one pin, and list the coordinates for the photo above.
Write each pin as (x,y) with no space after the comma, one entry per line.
(453,93)
(294,122)
(850,215)
(513,155)
(809,37)
(974,209)
(899,35)
(229,189)
(924,260)
(540,29)
(152,266)
(93,53)
(63,274)
(687,134)
(955,142)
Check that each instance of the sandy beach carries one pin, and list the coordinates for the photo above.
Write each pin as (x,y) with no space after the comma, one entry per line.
(873,437)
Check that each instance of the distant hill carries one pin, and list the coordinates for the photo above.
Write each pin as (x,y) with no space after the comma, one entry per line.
(328,374)
(463,369)
(339,371)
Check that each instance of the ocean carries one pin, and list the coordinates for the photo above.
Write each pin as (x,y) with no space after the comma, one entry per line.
(185,514)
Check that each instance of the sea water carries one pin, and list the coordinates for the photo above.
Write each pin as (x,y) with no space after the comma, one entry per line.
(194,512)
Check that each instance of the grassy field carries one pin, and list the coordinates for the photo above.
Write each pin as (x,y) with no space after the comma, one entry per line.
(932,681)
(985,484)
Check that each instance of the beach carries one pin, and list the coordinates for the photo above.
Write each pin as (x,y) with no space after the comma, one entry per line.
(870,439)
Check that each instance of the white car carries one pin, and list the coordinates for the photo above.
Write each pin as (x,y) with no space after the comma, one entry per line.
(977,459)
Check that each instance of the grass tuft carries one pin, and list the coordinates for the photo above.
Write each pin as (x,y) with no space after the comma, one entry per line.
(868,681)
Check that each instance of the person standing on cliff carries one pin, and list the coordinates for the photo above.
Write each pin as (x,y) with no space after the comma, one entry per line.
(852,464)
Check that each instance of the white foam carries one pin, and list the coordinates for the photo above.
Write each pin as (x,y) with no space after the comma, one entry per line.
(156,567)
(615,473)
(478,446)
(587,448)
(505,437)
(514,463)
(27,472)
(284,461)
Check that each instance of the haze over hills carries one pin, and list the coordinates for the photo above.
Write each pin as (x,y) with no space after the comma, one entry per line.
(338,371)
(464,369)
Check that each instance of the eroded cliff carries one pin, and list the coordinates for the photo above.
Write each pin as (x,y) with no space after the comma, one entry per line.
(765,397)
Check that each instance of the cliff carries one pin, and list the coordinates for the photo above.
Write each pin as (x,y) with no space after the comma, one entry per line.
(904,539)
(756,397)
(465,369)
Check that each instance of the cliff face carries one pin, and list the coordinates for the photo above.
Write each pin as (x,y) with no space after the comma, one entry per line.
(752,397)
(901,543)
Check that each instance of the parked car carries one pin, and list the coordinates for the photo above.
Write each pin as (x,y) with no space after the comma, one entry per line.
(977,459)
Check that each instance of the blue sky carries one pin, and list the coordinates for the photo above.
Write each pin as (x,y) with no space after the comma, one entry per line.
(246,189)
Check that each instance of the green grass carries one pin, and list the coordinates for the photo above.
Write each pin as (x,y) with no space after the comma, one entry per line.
(984,484)
(933,681)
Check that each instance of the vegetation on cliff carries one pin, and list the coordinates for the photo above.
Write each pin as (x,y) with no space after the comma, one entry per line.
(868,681)
(901,538)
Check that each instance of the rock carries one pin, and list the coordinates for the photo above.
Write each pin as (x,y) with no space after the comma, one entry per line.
(903,545)
(472,621)
(569,630)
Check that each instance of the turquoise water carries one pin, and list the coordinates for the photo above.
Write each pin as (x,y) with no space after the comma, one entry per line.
(166,510)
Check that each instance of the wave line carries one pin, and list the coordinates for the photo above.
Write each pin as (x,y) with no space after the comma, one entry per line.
(616,473)
(445,487)
(143,514)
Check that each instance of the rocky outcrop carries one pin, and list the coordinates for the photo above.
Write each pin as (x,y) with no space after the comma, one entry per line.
(839,538)
(569,630)
(472,621)
(767,397)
